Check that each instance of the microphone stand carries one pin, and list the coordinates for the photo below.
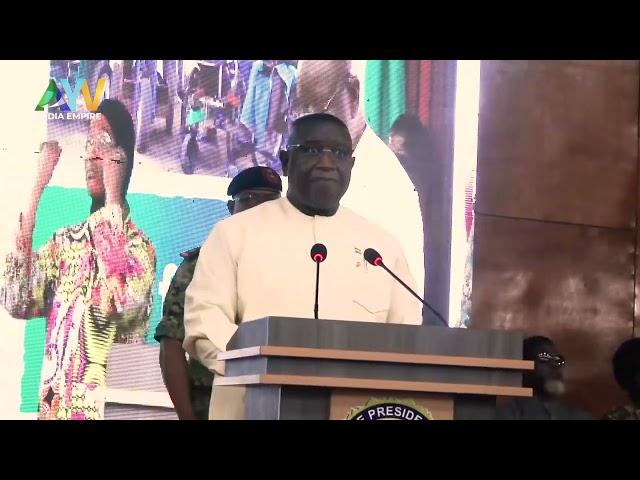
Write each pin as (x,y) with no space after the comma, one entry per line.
(315,305)
(438,316)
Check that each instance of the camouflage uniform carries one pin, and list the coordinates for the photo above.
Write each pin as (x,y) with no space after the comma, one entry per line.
(172,326)
(628,412)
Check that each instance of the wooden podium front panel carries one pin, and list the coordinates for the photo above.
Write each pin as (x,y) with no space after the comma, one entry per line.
(439,405)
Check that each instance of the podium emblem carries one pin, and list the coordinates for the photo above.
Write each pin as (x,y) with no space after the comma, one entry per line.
(389,409)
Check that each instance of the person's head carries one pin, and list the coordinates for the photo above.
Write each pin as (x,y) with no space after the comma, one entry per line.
(251,187)
(318,163)
(330,86)
(626,368)
(546,379)
(113,128)
(406,135)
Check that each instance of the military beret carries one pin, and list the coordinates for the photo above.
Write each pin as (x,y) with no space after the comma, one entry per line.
(193,253)
(255,178)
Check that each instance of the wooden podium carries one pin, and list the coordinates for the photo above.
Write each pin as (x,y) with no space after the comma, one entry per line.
(305,369)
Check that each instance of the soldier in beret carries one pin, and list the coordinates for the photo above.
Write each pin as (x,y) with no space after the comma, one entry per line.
(189,383)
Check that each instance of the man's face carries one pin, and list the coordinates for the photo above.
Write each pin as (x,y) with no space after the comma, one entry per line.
(100,138)
(250,198)
(397,144)
(319,165)
(547,376)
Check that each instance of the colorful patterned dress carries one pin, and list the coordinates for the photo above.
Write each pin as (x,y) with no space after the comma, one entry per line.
(94,284)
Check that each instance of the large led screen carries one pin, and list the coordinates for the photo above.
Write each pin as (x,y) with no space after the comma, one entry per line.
(73,259)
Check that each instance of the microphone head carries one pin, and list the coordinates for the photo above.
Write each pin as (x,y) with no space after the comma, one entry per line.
(372,257)
(318,253)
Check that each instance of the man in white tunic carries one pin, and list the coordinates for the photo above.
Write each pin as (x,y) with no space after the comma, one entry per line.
(380,188)
(257,263)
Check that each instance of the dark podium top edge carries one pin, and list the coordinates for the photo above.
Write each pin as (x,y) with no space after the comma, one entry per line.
(409,343)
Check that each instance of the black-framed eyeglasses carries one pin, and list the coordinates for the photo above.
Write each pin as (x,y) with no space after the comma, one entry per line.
(557,360)
(317,152)
(266,195)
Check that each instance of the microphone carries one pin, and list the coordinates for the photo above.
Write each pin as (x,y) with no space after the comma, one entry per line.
(318,255)
(375,259)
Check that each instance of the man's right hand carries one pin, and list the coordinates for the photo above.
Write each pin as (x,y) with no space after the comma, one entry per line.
(48,159)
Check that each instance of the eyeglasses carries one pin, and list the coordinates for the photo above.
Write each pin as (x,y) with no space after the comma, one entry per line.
(317,152)
(557,360)
(246,197)
(103,139)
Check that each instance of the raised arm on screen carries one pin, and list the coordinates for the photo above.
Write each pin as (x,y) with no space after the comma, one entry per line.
(27,273)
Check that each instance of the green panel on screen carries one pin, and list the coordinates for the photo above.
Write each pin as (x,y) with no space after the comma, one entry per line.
(385,94)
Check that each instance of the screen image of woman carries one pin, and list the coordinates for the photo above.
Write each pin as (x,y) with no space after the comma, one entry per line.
(93,281)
